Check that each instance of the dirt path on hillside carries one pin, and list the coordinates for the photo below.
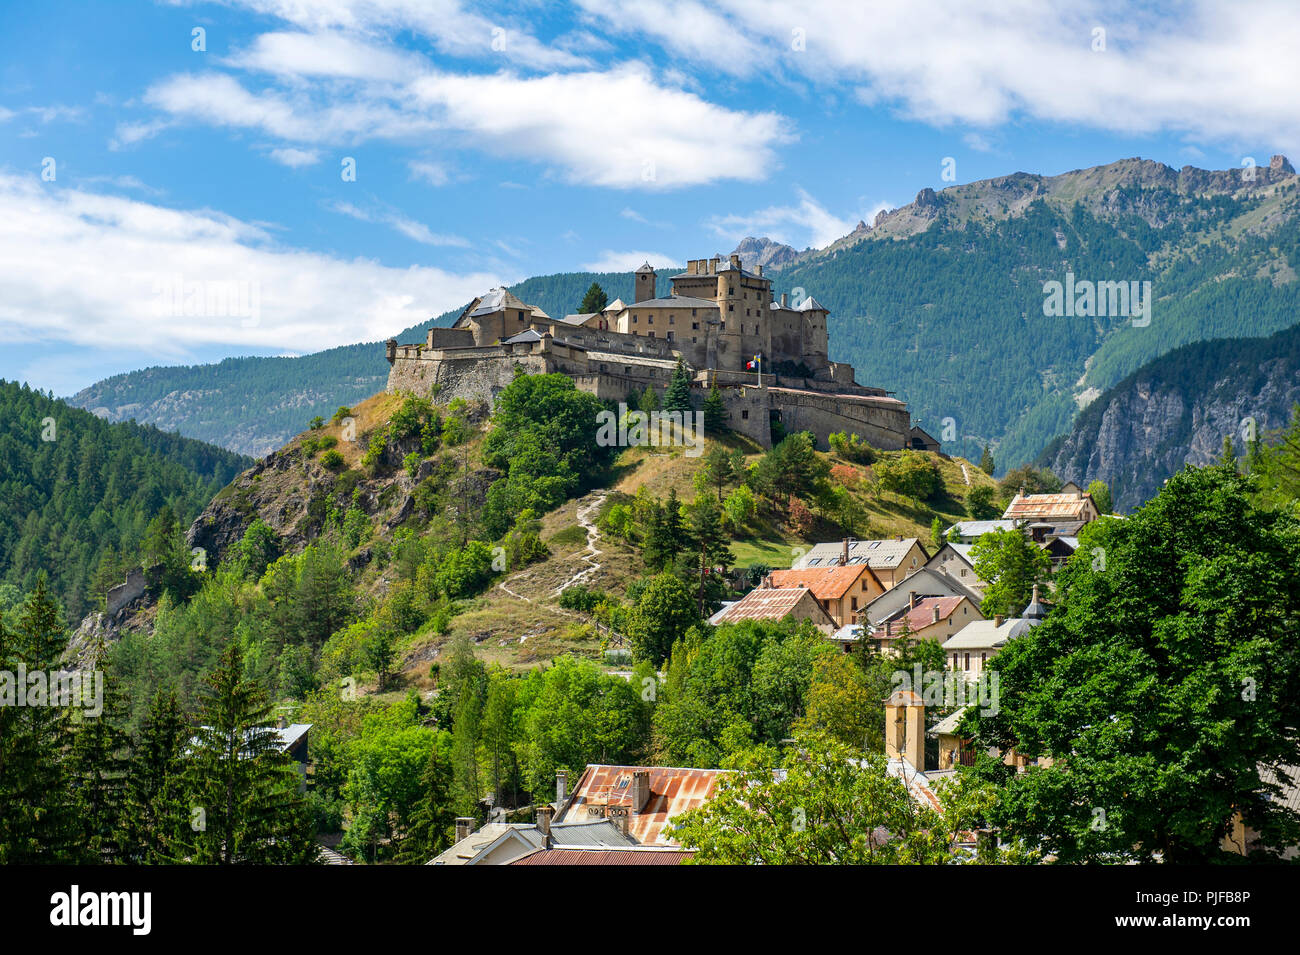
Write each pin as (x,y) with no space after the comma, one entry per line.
(588,556)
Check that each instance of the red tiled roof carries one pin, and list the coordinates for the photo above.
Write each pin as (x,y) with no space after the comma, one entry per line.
(604,857)
(672,792)
(922,614)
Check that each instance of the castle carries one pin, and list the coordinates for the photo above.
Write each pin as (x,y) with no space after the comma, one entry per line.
(769,359)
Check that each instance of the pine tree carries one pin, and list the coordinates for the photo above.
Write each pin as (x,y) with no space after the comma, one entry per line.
(247,808)
(594,301)
(715,413)
(986,461)
(1228,458)
(464,752)
(156,810)
(434,818)
(678,395)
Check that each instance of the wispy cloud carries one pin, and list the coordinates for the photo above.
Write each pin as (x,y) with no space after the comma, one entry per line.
(294,157)
(408,227)
(805,223)
(612,261)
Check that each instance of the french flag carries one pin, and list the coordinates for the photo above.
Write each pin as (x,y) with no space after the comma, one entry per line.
(754,362)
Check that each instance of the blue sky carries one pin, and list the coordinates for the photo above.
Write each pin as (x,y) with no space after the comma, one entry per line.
(496,141)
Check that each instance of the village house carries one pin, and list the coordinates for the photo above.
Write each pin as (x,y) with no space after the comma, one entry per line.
(1067,510)
(766,602)
(924,618)
(842,590)
(892,561)
(970,649)
(926,582)
(956,561)
(968,532)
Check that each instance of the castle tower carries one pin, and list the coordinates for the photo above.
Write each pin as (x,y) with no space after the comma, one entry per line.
(645,284)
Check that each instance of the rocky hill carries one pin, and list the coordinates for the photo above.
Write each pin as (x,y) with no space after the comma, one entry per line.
(1177,410)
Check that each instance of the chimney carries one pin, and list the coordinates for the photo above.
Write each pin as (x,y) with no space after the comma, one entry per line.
(464,827)
(785,299)
(936,613)
(640,789)
(735,260)
(561,785)
(543,820)
(844,556)
(620,817)
(713,265)
(760,270)
(911,600)
(997,619)
(889,629)
(693,267)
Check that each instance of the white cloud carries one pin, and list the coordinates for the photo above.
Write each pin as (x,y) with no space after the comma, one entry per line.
(978,142)
(807,223)
(1218,71)
(433,173)
(451,29)
(295,158)
(408,227)
(612,261)
(326,55)
(578,123)
(581,123)
(99,271)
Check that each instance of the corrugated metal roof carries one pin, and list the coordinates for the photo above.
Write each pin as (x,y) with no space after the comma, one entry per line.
(876,554)
(766,603)
(672,792)
(1069,507)
(921,614)
(639,856)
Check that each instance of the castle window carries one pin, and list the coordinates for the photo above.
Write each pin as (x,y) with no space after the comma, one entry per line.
(692,338)
(745,415)
(731,308)
(695,326)
(692,313)
(670,336)
(650,319)
(633,319)
(652,334)
(723,325)
(672,320)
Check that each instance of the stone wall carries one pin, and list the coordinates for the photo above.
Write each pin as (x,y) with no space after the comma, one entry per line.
(882,422)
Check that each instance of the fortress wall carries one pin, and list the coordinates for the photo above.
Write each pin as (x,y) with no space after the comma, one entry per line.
(748,413)
(883,426)
(468,377)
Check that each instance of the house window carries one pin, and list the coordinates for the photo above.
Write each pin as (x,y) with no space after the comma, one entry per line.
(853,603)
(649,319)
(968,661)
(633,319)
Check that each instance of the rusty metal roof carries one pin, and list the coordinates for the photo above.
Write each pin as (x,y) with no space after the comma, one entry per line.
(1072,507)
(642,855)
(768,603)
(672,792)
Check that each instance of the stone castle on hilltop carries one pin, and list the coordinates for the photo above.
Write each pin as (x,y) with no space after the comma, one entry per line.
(719,318)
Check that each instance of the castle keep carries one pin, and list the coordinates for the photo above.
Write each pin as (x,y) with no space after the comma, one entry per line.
(716,318)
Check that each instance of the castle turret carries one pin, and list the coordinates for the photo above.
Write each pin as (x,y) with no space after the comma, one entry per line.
(645,283)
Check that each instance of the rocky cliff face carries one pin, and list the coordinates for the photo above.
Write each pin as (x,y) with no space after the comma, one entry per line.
(1177,410)
(764,252)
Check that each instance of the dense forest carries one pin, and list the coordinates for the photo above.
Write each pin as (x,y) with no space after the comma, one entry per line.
(79,494)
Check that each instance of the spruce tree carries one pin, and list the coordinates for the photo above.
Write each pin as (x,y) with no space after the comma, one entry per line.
(99,759)
(35,817)
(594,301)
(246,802)
(986,461)
(157,811)
(434,818)
(678,395)
(715,413)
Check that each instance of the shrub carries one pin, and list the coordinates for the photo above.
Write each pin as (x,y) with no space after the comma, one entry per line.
(332,459)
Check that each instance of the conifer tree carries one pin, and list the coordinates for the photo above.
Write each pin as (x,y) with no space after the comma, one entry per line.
(986,461)
(35,822)
(156,810)
(594,301)
(247,808)
(98,763)
(678,395)
(715,413)
(434,818)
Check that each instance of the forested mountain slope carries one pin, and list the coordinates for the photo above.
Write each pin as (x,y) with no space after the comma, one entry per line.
(77,493)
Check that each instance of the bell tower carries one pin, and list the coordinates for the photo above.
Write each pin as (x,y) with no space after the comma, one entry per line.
(645,284)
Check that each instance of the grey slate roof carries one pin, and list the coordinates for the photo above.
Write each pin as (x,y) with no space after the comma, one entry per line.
(675,301)
(528,335)
(809,304)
